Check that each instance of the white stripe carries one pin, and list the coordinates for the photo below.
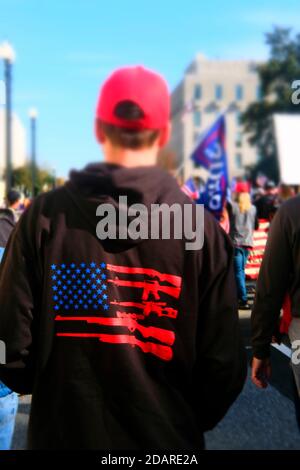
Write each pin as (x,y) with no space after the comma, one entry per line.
(260,242)
(283,349)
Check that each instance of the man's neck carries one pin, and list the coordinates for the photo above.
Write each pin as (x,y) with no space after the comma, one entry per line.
(131,158)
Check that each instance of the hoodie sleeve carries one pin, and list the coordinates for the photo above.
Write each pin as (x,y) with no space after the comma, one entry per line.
(18,300)
(272,286)
(222,365)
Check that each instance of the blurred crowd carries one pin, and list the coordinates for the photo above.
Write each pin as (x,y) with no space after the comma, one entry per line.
(246,207)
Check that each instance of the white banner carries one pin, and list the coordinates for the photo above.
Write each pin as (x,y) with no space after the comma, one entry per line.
(287,135)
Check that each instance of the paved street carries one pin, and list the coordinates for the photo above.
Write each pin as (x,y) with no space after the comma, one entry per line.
(258,420)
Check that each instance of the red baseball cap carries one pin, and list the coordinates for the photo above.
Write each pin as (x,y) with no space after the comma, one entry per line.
(145,88)
(242,187)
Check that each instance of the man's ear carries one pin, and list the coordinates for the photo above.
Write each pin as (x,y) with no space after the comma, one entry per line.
(100,136)
(165,135)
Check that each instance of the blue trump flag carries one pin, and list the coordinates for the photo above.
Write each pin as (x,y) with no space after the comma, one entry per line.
(210,155)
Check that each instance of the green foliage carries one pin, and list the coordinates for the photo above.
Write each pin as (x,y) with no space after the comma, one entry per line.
(276,77)
(22,179)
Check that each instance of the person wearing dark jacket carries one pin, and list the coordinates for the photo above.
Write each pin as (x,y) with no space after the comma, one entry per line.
(7,223)
(267,204)
(279,275)
(8,218)
(124,343)
(8,399)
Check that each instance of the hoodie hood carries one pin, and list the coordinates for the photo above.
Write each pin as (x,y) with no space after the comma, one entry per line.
(103,183)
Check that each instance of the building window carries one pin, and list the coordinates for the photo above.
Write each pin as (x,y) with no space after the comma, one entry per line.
(239,161)
(238,141)
(218,92)
(258,93)
(197,92)
(239,92)
(197,118)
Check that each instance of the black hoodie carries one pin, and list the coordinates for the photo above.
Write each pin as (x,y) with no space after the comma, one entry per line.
(7,223)
(123,344)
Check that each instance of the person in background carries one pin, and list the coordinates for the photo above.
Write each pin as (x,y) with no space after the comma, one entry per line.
(8,399)
(256,194)
(266,205)
(258,188)
(279,275)
(8,218)
(285,192)
(242,225)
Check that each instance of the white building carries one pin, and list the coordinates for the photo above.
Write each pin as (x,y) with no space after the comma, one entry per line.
(208,88)
(18,147)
